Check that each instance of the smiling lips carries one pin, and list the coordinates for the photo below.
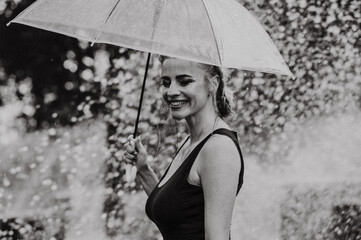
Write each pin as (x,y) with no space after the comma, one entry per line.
(177,103)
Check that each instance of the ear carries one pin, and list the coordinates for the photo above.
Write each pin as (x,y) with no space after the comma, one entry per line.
(215,83)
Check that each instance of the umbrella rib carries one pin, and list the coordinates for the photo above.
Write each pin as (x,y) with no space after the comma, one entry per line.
(214,33)
(189,22)
(105,22)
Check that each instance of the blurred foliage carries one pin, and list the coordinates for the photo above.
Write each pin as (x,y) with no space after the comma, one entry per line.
(62,81)
(51,72)
(320,41)
(346,222)
(320,212)
(32,228)
(43,176)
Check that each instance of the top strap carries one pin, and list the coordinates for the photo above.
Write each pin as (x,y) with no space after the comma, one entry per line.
(181,146)
(233,136)
(222,131)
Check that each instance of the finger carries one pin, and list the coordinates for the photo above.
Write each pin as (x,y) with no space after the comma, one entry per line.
(130,137)
(138,144)
(130,156)
(133,173)
(128,170)
(132,144)
(127,161)
(129,148)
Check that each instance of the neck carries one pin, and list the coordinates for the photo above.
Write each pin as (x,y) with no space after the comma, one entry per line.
(201,124)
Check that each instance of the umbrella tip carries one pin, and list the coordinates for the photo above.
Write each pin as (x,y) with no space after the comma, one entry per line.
(8,24)
(92,44)
(293,77)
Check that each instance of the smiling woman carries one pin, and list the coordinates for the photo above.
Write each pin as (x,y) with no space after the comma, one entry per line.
(195,197)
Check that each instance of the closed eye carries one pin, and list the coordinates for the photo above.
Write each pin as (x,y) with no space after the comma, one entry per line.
(166,81)
(185,82)
(184,79)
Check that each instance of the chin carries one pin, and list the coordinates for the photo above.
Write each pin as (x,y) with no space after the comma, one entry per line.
(178,115)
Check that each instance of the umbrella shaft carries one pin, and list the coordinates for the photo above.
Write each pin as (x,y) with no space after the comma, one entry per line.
(141,95)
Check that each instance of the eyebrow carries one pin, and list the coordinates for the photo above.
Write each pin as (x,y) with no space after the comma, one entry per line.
(178,77)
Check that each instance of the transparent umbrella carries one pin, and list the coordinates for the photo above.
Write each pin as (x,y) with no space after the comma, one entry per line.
(217,32)
(214,32)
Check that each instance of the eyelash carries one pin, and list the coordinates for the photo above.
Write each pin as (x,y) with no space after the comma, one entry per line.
(166,83)
(185,82)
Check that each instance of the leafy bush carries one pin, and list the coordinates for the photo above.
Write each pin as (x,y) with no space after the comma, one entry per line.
(346,222)
(321,212)
(32,228)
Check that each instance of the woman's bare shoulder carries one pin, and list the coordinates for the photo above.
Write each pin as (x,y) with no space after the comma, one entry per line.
(220,151)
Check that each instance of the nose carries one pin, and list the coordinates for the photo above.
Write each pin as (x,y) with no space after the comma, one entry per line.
(173,90)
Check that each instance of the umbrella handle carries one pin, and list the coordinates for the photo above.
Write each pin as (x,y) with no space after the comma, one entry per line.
(130,170)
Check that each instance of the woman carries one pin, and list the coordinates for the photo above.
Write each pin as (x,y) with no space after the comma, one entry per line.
(195,197)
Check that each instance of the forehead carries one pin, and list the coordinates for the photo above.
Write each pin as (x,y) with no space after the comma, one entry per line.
(173,67)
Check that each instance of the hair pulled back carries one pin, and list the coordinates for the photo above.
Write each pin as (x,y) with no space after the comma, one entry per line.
(223,96)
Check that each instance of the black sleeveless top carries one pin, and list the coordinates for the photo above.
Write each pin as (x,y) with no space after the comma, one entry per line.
(177,207)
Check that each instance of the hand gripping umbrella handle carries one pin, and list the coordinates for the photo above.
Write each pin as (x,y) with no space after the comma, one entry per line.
(131,171)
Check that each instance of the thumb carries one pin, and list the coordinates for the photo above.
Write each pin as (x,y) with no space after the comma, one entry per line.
(138,144)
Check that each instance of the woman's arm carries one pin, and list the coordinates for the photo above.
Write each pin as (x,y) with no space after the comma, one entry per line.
(147,178)
(135,153)
(219,170)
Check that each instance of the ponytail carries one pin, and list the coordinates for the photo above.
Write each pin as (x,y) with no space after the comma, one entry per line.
(223,97)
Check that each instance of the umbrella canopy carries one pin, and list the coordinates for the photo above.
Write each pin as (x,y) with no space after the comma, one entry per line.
(216,32)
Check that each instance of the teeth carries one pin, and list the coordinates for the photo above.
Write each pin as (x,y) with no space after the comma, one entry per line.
(177,103)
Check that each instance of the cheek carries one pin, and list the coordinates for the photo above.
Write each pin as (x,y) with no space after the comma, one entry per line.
(164,94)
(201,92)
